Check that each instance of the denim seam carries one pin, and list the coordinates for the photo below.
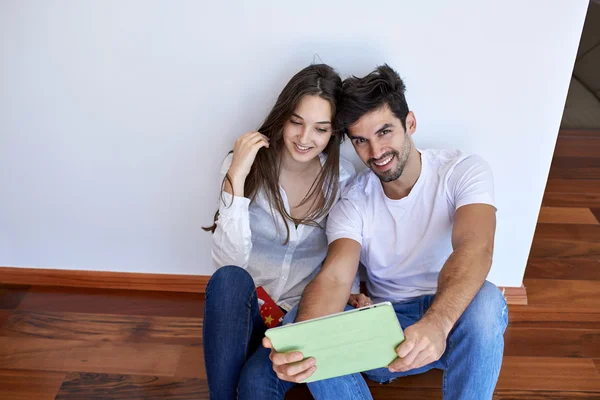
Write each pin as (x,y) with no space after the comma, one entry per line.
(504,313)
(449,352)
(362,396)
(280,383)
(248,333)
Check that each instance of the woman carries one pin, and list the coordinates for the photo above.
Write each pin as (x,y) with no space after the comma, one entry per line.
(279,184)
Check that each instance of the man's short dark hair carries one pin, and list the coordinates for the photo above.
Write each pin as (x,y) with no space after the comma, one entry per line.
(360,96)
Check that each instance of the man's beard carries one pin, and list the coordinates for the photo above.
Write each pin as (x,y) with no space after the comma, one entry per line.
(402,159)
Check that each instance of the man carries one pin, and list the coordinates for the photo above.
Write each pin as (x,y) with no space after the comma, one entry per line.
(423,224)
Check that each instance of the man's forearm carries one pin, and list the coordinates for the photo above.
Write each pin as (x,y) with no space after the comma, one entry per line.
(321,297)
(459,281)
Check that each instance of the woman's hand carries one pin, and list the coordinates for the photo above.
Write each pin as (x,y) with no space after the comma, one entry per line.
(244,153)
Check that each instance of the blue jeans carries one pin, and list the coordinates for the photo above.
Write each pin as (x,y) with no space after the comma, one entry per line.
(237,366)
(473,356)
(231,335)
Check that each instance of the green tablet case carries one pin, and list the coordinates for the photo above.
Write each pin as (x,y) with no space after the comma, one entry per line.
(345,343)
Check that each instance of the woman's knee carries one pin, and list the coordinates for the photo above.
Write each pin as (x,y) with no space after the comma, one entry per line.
(228,275)
(230,284)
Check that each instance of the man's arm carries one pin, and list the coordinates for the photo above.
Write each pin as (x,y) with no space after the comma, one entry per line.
(326,294)
(466,269)
(459,281)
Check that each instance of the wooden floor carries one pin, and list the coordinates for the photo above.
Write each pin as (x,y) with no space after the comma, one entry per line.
(81,344)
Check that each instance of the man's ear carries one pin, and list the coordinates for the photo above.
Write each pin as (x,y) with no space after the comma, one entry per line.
(411,123)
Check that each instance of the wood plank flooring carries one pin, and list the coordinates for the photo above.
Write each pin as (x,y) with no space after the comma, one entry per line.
(82,344)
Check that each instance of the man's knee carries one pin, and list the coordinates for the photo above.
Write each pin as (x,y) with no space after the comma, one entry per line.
(487,315)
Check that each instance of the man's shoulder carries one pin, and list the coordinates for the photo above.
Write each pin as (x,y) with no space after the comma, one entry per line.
(446,160)
(441,157)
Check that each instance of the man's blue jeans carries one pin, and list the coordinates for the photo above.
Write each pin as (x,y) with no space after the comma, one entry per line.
(473,356)
(237,366)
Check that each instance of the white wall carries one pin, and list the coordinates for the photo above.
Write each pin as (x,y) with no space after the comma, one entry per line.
(115,115)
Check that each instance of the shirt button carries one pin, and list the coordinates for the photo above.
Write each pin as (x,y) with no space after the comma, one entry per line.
(283,278)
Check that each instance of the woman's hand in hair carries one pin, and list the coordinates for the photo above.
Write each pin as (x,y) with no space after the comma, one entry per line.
(244,153)
(359,300)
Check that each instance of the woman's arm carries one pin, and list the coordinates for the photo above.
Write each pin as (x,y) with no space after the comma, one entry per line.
(232,238)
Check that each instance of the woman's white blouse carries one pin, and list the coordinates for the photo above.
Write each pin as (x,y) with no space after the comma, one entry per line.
(251,236)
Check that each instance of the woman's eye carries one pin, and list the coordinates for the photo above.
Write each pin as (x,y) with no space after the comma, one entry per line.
(295,122)
(322,130)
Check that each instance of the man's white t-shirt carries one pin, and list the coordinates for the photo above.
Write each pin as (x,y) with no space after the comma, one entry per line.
(406,242)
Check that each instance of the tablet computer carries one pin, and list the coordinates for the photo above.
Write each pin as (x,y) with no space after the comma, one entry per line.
(343,343)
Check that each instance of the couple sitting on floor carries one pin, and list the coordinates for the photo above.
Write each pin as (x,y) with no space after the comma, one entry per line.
(294,219)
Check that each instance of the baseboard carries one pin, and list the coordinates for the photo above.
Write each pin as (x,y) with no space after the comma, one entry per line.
(104,280)
(142,281)
(580,132)
(515,295)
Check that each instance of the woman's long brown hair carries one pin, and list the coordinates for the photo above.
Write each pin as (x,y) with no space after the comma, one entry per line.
(315,80)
